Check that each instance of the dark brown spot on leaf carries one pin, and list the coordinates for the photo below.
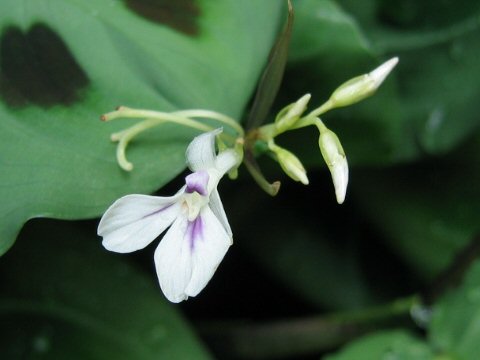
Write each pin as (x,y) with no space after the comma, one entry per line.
(37,68)
(180,15)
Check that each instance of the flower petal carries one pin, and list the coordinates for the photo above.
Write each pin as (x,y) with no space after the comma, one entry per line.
(197,182)
(134,221)
(189,254)
(217,208)
(173,261)
(225,161)
(209,247)
(201,151)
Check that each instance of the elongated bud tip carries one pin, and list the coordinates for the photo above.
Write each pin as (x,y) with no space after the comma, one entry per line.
(380,73)
(303,101)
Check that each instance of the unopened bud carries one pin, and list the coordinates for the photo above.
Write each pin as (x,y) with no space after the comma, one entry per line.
(336,160)
(360,87)
(289,115)
(291,165)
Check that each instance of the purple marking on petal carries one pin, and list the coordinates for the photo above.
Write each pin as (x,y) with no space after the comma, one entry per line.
(157,211)
(197,181)
(194,231)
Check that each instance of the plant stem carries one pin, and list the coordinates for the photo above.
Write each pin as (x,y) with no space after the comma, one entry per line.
(308,121)
(208,114)
(270,188)
(328,105)
(154,118)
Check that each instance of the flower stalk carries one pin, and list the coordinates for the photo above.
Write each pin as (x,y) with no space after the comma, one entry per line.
(152,119)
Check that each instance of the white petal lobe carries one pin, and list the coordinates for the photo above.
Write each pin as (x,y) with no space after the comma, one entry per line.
(173,261)
(134,221)
(208,252)
(201,151)
(225,161)
(217,208)
(186,263)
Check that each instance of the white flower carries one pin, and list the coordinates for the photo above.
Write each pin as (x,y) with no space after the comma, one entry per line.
(199,234)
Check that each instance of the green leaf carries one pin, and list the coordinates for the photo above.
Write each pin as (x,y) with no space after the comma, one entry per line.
(455,326)
(394,344)
(320,21)
(64,297)
(56,80)
(426,211)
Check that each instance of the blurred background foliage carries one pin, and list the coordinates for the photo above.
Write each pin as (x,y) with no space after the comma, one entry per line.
(306,275)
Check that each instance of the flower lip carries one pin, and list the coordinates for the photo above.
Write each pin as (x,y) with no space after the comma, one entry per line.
(197,182)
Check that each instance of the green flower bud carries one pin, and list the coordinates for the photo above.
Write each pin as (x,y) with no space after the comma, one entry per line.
(290,164)
(362,86)
(289,115)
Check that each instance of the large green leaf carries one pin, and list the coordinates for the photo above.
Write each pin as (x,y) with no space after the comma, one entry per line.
(320,21)
(63,63)
(427,105)
(455,326)
(67,299)
(394,344)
